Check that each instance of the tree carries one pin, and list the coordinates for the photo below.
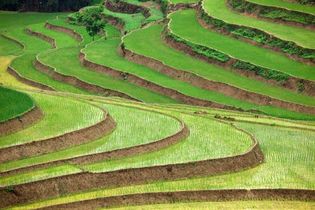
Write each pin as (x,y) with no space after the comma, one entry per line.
(92,19)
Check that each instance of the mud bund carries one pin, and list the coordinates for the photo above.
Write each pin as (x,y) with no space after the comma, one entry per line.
(21,122)
(105,126)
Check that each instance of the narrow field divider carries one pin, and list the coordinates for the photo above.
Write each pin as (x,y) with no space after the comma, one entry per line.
(21,122)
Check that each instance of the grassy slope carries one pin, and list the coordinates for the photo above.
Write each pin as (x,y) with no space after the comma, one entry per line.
(231,46)
(24,63)
(8,47)
(65,60)
(289,164)
(155,12)
(141,131)
(110,57)
(82,115)
(286,5)
(302,37)
(13,103)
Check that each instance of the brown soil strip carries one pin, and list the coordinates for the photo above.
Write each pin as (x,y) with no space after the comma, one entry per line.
(84,181)
(119,153)
(85,135)
(189,196)
(200,11)
(220,87)
(21,122)
(148,84)
(174,7)
(291,84)
(27,81)
(124,7)
(20,78)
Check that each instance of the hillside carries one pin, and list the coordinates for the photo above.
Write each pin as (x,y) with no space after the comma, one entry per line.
(177,104)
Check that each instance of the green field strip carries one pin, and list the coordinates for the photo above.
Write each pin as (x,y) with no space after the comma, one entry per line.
(286,5)
(65,61)
(141,42)
(9,47)
(289,163)
(143,130)
(23,64)
(56,110)
(226,205)
(219,10)
(230,46)
(14,104)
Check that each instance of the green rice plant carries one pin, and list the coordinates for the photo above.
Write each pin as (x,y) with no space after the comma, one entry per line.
(230,46)
(208,139)
(289,163)
(56,110)
(227,205)
(142,130)
(219,10)
(13,104)
(142,42)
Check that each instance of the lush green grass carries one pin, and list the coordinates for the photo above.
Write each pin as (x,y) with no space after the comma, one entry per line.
(57,120)
(142,130)
(24,63)
(286,5)
(142,42)
(13,103)
(231,46)
(302,37)
(9,47)
(65,60)
(227,205)
(289,163)
(11,20)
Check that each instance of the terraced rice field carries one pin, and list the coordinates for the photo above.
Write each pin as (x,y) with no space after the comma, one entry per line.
(173,105)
